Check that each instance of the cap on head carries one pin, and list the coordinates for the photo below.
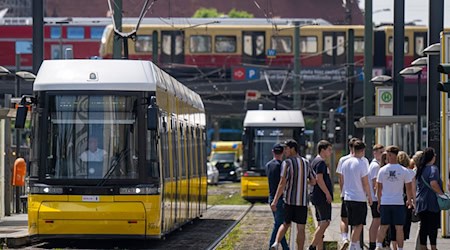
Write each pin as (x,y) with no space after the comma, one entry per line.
(278,148)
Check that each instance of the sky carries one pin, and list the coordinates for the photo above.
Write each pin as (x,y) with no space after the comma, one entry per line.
(414,10)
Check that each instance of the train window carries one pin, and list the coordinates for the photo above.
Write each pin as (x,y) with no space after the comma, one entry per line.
(97,32)
(328,45)
(340,45)
(167,44)
(225,44)
(391,45)
(248,45)
(259,45)
(359,45)
(57,50)
(200,44)
(282,44)
(55,32)
(143,43)
(179,43)
(308,44)
(75,32)
(420,45)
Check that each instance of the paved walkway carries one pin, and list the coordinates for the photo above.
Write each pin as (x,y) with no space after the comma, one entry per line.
(333,233)
(14,230)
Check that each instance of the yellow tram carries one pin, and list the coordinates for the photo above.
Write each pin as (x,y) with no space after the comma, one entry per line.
(262,129)
(118,150)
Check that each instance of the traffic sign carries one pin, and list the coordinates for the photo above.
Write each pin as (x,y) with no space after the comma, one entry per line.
(252,95)
(239,74)
(245,73)
(271,53)
(252,74)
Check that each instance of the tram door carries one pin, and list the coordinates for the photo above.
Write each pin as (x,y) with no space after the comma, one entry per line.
(420,42)
(254,47)
(172,46)
(334,48)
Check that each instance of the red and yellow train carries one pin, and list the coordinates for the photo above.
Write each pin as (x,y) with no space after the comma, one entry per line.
(207,43)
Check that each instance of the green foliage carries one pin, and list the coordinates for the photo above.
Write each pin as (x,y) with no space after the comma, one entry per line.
(212,13)
(239,14)
(207,13)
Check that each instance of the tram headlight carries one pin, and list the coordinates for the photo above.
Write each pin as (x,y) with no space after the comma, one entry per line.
(139,190)
(46,190)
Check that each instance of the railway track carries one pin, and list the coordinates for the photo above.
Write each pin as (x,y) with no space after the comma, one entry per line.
(204,233)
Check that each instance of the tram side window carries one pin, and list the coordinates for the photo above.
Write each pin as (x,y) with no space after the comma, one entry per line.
(199,151)
(165,146)
(308,44)
(143,43)
(225,44)
(200,44)
(174,147)
(34,154)
(152,156)
(183,150)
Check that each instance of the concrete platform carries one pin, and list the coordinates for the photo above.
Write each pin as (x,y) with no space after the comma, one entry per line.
(14,231)
(333,232)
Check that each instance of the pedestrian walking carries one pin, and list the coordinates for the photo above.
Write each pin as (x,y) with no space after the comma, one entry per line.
(356,191)
(344,216)
(295,177)
(322,193)
(374,167)
(390,182)
(273,171)
(429,184)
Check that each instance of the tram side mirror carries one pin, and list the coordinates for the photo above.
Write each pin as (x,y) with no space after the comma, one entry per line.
(152,115)
(21,116)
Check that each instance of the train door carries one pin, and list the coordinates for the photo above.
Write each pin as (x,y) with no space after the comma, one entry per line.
(172,46)
(420,42)
(333,48)
(253,47)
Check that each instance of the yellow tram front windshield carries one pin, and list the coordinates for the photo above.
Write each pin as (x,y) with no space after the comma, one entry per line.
(264,139)
(92,137)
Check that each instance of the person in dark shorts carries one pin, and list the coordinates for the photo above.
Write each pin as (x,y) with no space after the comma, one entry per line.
(390,181)
(355,173)
(374,167)
(322,193)
(344,218)
(295,177)
(273,171)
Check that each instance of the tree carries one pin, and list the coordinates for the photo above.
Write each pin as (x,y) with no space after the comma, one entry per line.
(212,12)
(207,13)
(239,14)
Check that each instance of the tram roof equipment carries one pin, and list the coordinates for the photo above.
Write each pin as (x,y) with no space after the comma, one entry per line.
(274,118)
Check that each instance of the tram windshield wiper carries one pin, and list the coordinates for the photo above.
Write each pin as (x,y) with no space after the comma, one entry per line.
(113,166)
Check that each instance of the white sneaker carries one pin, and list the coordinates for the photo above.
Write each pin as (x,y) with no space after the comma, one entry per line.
(344,245)
(274,246)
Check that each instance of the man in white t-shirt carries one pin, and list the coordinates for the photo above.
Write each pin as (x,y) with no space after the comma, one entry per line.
(356,191)
(344,217)
(374,167)
(390,181)
(95,158)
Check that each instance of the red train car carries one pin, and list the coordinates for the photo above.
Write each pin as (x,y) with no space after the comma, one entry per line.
(81,35)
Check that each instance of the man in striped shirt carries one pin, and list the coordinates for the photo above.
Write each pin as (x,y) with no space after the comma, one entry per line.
(295,177)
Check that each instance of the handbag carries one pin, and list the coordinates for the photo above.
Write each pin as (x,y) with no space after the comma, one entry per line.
(443,200)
